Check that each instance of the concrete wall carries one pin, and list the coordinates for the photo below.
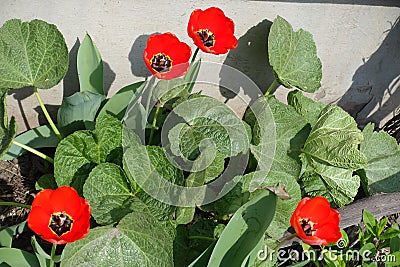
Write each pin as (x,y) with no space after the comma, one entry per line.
(358,43)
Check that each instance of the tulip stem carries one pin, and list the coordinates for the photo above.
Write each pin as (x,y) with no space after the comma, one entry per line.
(53,252)
(15,204)
(272,86)
(153,125)
(202,237)
(34,151)
(195,55)
(46,114)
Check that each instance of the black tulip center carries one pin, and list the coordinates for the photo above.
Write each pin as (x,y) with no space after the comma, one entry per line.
(161,63)
(60,223)
(207,37)
(307,227)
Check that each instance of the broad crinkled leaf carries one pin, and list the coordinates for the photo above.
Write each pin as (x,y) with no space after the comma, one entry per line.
(383,168)
(334,140)
(108,193)
(293,57)
(277,136)
(138,240)
(90,67)
(338,185)
(78,153)
(78,112)
(31,54)
(7,130)
(305,106)
(207,118)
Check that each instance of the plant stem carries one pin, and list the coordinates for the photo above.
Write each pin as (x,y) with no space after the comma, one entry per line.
(46,114)
(53,252)
(202,237)
(34,151)
(195,55)
(153,125)
(15,204)
(272,86)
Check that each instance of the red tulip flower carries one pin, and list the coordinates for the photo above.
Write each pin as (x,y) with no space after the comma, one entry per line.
(212,31)
(315,222)
(60,216)
(166,56)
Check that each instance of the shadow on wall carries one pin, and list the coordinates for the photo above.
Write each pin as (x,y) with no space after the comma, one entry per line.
(138,67)
(251,58)
(346,2)
(375,91)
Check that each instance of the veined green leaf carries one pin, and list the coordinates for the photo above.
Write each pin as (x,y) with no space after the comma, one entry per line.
(77,154)
(31,54)
(138,240)
(293,57)
(334,140)
(78,112)
(305,106)
(90,67)
(108,193)
(383,169)
(17,257)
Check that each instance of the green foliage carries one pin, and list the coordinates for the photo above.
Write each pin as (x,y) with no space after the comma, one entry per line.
(31,54)
(382,172)
(7,130)
(17,257)
(305,106)
(138,240)
(293,57)
(90,67)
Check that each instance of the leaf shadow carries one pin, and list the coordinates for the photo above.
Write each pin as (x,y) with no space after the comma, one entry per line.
(109,77)
(71,80)
(19,95)
(375,91)
(135,56)
(250,58)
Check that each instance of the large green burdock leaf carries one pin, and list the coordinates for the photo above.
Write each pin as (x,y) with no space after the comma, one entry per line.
(334,140)
(7,130)
(108,193)
(293,57)
(244,230)
(277,136)
(331,155)
(383,169)
(90,67)
(305,106)
(78,112)
(138,240)
(31,54)
(78,153)
(207,119)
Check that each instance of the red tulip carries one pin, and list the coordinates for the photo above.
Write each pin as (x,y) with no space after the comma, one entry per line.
(315,222)
(60,216)
(212,31)
(166,56)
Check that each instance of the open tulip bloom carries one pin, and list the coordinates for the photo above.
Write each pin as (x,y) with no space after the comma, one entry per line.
(212,31)
(60,216)
(166,56)
(315,222)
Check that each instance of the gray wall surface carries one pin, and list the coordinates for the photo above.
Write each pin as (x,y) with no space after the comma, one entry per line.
(358,43)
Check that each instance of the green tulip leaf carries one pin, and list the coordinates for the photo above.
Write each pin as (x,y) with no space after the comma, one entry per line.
(7,130)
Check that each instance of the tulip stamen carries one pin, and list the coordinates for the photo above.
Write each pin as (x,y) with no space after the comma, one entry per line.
(161,62)
(307,226)
(60,223)
(207,37)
